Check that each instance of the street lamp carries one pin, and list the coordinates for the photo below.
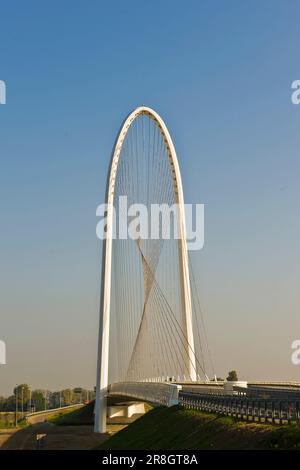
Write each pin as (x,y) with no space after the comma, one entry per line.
(16,405)
(29,401)
(22,401)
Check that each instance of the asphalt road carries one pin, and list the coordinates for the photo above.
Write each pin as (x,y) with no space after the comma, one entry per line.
(58,437)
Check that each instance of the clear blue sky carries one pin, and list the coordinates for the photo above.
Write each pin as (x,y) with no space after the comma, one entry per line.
(219,73)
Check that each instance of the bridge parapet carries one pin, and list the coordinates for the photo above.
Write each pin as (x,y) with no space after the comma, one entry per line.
(163,393)
(41,416)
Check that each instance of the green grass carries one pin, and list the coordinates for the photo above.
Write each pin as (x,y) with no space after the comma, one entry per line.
(179,428)
(80,416)
(8,420)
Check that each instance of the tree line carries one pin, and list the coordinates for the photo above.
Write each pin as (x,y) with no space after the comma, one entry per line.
(27,400)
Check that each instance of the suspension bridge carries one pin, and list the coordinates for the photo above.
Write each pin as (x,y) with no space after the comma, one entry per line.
(148,292)
(152,343)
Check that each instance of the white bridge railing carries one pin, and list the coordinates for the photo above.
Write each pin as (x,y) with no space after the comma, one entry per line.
(164,393)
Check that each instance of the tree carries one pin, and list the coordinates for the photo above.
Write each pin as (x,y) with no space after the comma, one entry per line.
(7,403)
(67,396)
(232,376)
(38,400)
(55,399)
(22,393)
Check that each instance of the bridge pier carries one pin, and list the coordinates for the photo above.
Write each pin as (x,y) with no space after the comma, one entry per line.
(125,410)
(100,413)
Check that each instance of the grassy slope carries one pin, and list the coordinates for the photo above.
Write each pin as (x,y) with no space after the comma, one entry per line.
(177,428)
(80,416)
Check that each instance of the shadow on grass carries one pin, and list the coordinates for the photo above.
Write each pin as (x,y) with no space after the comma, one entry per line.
(178,428)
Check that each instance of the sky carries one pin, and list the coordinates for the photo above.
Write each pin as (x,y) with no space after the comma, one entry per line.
(219,73)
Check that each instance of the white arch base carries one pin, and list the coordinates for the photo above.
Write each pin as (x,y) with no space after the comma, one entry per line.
(103,342)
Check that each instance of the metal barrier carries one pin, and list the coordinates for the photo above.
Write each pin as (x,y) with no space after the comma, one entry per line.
(259,410)
(40,416)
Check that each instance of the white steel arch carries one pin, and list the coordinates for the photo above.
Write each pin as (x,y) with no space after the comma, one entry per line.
(104,322)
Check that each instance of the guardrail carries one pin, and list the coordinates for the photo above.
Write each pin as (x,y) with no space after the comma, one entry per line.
(41,416)
(164,393)
(275,384)
(54,410)
(259,410)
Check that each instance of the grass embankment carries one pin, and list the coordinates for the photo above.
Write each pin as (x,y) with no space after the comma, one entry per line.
(178,428)
(8,420)
(81,416)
